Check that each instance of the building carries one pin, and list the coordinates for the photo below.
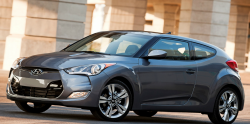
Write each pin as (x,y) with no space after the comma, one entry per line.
(29,27)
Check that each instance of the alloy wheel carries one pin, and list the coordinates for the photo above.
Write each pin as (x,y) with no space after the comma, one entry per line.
(114,101)
(228,106)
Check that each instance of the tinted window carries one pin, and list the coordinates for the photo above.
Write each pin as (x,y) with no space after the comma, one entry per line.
(176,50)
(202,52)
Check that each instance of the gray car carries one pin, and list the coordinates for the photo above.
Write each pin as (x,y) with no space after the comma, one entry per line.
(114,72)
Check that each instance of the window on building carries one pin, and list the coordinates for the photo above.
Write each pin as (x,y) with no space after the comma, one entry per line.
(149,22)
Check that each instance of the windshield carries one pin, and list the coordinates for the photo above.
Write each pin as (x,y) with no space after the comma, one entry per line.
(124,44)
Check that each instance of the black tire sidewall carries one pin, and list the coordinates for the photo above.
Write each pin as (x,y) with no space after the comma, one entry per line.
(215,116)
(97,112)
(25,107)
(145,113)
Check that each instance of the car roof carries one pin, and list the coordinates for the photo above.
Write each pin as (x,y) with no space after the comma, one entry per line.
(156,34)
(149,33)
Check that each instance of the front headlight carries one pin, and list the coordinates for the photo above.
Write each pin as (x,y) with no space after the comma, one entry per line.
(17,62)
(93,69)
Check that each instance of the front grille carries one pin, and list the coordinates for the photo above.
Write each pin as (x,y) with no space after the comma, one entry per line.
(53,90)
(44,69)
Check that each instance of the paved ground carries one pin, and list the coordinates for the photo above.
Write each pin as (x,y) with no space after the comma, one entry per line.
(10,114)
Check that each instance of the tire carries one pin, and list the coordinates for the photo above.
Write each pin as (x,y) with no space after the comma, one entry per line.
(145,113)
(231,110)
(116,107)
(37,107)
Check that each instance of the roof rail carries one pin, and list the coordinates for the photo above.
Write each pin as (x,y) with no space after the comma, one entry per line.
(168,33)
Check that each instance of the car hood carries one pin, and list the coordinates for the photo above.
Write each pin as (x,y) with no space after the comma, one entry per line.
(62,60)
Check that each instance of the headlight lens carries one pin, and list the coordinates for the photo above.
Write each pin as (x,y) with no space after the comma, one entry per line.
(93,69)
(17,62)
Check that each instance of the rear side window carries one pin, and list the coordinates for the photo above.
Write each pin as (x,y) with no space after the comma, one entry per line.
(203,52)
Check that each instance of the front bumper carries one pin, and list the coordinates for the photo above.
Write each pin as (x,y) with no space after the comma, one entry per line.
(71,83)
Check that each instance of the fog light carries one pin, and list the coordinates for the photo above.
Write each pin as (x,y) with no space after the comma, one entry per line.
(78,94)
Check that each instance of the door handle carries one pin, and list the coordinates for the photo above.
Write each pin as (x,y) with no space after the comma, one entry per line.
(190,71)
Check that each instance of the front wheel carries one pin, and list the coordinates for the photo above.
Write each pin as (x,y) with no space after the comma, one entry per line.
(226,107)
(114,103)
(33,107)
(145,113)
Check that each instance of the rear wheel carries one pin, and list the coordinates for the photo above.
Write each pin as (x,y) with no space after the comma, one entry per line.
(32,107)
(226,107)
(145,113)
(114,102)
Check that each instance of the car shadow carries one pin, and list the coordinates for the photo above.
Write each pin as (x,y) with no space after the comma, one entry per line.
(78,115)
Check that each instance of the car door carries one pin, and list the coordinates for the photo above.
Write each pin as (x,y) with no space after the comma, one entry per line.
(209,66)
(168,81)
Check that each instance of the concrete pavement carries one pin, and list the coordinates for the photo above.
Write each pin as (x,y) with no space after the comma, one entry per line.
(10,114)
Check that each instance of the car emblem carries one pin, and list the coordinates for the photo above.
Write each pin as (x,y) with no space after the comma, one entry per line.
(36,72)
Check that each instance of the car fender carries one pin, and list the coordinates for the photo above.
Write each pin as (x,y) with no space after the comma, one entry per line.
(227,77)
(127,71)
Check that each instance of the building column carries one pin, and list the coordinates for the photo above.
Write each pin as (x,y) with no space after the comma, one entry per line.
(177,21)
(248,53)
(238,34)
(230,44)
(149,17)
(5,19)
(88,22)
(165,18)
(120,15)
(98,18)
(42,26)
(205,20)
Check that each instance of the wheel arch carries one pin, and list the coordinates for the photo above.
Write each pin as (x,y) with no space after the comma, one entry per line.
(229,78)
(126,74)
(232,81)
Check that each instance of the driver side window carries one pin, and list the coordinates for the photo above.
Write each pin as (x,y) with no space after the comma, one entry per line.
(176,50)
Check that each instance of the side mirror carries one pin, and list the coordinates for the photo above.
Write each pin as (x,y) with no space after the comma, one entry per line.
(156,54)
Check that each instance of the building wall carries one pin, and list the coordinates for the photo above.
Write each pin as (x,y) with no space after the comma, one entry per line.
(52,25)
(205,20)
(5,19)
(120,15)
(238,34)
(162,16)
(43,26)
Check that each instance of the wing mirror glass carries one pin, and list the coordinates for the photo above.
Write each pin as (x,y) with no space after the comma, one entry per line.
(156,54)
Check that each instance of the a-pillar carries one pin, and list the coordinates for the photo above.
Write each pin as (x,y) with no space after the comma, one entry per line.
(205,20)
(5,17)
(124,15)
(165,18)
(238,34)
(42,26)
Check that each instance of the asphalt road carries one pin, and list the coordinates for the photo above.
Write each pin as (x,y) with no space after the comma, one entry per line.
(10,114)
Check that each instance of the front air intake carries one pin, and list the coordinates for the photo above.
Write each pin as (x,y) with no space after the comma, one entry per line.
(53,90)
